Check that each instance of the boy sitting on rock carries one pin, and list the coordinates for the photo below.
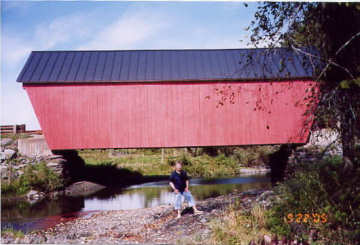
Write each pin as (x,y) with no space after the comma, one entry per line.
(179,182)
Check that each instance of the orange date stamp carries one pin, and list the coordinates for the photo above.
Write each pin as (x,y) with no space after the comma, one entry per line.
(307,218)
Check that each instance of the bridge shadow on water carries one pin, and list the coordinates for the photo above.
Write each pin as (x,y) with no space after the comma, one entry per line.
(105,174)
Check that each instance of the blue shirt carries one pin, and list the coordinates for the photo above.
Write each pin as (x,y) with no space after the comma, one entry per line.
(179,180)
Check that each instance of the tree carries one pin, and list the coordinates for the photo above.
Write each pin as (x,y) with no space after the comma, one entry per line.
(333,30)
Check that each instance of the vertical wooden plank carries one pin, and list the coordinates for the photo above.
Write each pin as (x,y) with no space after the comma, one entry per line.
(125,111)
(147,114)
(162,118)
(156,115)
(177,116)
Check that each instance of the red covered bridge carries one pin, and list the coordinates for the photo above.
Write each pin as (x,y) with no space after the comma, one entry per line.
(169,98)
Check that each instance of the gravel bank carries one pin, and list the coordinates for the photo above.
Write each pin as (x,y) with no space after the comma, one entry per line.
(149,225)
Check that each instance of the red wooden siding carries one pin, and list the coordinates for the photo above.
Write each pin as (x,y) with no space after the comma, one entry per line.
(135,115)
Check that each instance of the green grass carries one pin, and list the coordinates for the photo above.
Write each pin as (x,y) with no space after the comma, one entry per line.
(238,226)
(323,188)
(10,231)
(15,136)
(149,161)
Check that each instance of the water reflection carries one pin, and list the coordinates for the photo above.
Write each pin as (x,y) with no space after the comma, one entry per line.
(157,193)
(21,215)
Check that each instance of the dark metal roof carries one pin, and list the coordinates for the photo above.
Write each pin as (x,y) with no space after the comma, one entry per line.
(164,65)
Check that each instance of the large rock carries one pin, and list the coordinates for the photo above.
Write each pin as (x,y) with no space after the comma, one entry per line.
(83,188)
(33,195)
(326,138)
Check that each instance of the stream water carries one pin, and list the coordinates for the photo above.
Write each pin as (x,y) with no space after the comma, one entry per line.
(26,217)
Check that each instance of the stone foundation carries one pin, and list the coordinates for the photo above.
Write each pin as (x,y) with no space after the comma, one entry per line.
(34,147)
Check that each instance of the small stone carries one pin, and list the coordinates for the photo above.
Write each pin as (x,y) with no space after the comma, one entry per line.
(19,173)
(9,153)
(267,239)
(52,164)
(85,234)
(203,220)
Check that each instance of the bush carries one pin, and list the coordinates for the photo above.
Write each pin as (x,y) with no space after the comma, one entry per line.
(38,177)
(325,188)
(253,156)
(12,232)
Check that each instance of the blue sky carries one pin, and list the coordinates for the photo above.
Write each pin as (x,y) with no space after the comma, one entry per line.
(28,26)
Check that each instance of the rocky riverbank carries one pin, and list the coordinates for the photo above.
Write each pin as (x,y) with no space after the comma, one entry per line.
(149,225)
(31,172)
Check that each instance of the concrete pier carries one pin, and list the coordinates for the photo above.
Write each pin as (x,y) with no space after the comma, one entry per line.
(34,146)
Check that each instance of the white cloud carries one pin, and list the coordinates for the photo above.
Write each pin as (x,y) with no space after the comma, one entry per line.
(62,30)
(127,31)
(14,50)
(46,36)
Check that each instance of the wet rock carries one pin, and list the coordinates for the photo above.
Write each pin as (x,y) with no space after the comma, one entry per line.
(251,171)
(83,188)
(34,195)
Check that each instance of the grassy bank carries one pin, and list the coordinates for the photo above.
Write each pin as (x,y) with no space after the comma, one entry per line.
(239,226)
(204,162)
(318,202)
(38,177)
(12,232)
